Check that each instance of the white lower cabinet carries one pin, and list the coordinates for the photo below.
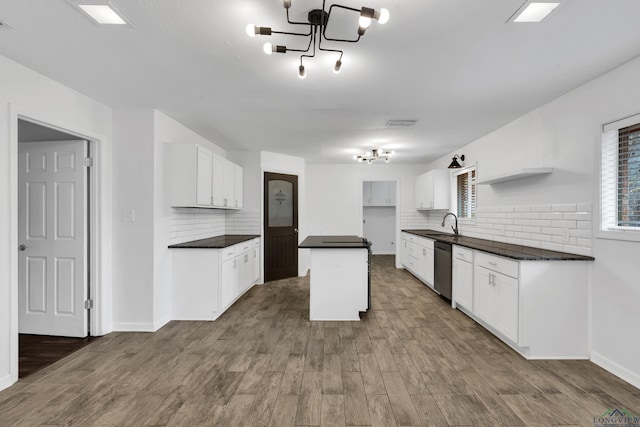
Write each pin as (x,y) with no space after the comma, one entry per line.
(496,301)
(205,282)
(462,277)
(538,307)
(416,255)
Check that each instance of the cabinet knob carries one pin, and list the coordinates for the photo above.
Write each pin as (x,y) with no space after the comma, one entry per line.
(22,248)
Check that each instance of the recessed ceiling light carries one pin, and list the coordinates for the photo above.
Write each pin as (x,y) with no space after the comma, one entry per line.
(103,14)
(534,12)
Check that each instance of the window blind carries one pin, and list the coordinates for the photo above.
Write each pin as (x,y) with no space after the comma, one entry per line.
(628,188)
(466,194)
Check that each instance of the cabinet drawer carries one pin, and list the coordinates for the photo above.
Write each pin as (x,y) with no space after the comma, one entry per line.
(229,253)
(243,247)
(410,237)
(425,243)
(256,243)
(412,249)
(498,264)
(463,254)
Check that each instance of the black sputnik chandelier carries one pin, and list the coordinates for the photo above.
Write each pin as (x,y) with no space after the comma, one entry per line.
(318,20)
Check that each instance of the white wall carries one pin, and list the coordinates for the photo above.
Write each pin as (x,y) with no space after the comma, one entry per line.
(566,135)
(32,95)
(133,182)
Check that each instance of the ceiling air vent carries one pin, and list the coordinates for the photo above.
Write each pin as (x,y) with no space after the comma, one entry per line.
(400,123)
(5,26)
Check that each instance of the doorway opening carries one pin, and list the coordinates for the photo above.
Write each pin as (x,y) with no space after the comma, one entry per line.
(54,292)
(379,216)
(280,226)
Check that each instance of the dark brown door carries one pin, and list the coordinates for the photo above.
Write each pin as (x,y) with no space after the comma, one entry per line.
(280,226)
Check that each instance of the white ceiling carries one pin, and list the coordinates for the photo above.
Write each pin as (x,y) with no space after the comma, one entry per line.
(456,66)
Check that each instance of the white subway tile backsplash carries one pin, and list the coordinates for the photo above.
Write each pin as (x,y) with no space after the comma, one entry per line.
(561,227)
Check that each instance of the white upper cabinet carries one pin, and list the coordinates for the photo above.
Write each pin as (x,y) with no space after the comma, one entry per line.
(432,190)
(379,193)
(202,179)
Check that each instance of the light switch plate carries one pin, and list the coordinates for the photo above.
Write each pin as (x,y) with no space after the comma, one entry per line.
(128,215)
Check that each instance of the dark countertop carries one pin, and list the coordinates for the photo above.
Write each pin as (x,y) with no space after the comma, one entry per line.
(519,252)
(217,242)
(334,242)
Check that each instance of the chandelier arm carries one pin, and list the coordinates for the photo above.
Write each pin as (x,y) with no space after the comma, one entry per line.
(294,22)
(303,50)
(324,30)
(293,34)
(314,48)
(328,50)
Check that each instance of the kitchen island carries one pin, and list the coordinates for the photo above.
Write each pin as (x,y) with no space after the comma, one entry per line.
(340,284)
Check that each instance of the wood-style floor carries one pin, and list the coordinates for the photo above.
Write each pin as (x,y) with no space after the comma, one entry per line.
(38,351)
(411,361)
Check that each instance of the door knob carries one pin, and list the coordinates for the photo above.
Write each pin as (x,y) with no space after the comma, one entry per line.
(22,247)
(295,230)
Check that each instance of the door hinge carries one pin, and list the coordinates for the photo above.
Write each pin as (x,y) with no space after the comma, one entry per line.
(88,162)
(88,304)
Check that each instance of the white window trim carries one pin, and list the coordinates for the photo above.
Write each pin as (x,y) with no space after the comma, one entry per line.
(607,178)
(454,192)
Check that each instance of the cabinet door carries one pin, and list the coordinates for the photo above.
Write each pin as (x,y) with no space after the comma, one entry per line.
(218,181)
(204,177)
(484,300)
(419,196)
(391,193)
(404,253)
(245,270)
(229,177)
(366,193)
(428,191)
(429,266)
(256,265)
(379,193)
(228,284)
(441,195)
(463,283)
(422,263)
(506,306)
(238,186)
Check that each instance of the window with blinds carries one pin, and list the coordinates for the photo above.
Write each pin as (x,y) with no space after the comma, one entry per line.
(620,196)
(466,193)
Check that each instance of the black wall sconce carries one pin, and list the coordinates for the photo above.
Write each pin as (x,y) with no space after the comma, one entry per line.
(454,162)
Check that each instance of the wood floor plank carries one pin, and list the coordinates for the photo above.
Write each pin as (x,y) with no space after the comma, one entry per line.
(284,412)
(401,403)
(355,400)
(380,411)
(310,400)
(332,414)
(332,375)
(293,373)
(371,376)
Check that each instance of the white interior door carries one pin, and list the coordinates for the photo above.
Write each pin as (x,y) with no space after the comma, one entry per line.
(52,233)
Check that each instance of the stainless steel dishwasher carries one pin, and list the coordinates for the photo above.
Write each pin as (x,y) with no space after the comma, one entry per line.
(442,269)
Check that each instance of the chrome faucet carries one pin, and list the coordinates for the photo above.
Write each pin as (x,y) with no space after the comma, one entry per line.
(455,229)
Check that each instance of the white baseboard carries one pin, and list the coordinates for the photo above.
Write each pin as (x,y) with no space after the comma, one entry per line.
(7,381)
(616,369)
(160,323)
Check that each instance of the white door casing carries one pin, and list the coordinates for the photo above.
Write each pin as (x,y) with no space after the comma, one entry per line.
(52,226)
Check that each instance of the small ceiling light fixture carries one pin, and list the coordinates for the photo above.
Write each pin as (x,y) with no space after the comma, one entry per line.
(533,11)
(101,11)
(373,155)
(317,24)
(454,162)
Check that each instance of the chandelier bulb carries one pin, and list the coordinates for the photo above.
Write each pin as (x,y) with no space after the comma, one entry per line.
(251,30)
(268,48)
(287,4)
(383,16)
(364,22)
(336,68)
(301,72)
